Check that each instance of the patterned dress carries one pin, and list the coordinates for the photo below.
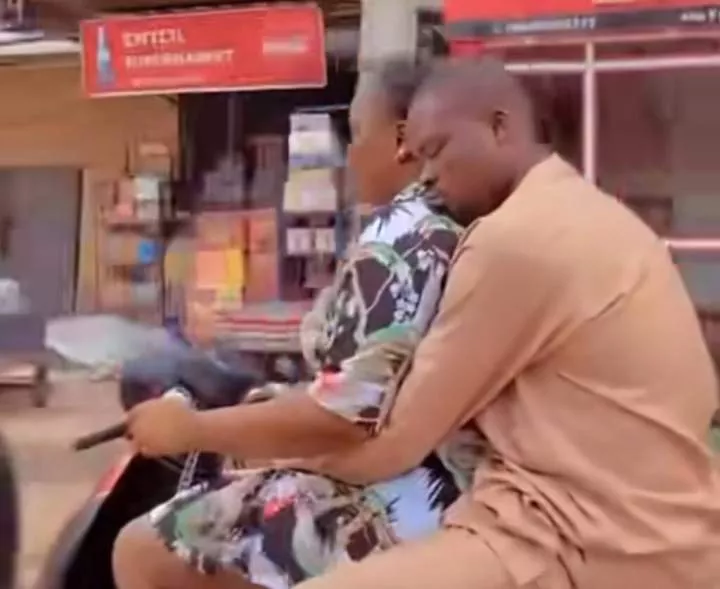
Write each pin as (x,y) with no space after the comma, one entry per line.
(278,526)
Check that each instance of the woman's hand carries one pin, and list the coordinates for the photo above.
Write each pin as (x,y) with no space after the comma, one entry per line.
(163,427)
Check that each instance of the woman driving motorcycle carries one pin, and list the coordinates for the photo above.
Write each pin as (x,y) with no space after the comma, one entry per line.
(275,526)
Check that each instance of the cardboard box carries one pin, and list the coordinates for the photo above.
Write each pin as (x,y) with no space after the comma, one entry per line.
(152,157)
(121,249)
(311,190)
(115,294)
(299,241)
(313,142)
(324,241)
(262,227)
(221,229)
(263,278)
(127,192)
(270,169)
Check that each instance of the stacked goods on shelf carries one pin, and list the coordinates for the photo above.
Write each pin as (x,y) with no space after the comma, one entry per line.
(225,185)
(315,157)
(235,264)
(131,255)
(270,170)
(178,273)
(132,212)
(263,258)
(218,271)
(312,204)
(151,159)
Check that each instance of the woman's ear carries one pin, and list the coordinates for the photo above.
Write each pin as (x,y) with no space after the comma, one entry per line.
(403,155)
(400,133)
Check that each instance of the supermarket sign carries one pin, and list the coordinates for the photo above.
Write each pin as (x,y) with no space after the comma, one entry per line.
(468,19)
(250,48)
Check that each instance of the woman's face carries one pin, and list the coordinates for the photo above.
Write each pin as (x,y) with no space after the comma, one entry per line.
(373,152)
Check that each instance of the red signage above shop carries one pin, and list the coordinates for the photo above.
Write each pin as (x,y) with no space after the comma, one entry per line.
(254,48)
(470,19)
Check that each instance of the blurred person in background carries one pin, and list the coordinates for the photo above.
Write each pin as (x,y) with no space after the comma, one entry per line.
(276,527)
(8,518)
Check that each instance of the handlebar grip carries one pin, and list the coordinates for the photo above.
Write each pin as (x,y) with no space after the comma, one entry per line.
(102,436)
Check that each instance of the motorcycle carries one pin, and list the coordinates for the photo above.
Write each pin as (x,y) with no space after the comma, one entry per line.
(9,533)
(82,553)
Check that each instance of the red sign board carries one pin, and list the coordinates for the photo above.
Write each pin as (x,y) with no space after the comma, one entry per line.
(253,48)
(471,19)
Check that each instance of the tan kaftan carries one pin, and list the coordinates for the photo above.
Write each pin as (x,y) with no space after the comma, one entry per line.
(567,336)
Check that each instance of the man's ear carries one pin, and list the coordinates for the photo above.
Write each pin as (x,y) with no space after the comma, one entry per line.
(499,125)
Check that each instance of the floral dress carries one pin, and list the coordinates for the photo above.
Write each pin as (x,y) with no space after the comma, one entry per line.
(278,526)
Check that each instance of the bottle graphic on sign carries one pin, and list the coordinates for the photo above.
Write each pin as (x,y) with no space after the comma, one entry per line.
(103,59)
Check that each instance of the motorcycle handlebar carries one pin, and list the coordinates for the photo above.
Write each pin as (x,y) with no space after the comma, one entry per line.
(119,430)
(101,436)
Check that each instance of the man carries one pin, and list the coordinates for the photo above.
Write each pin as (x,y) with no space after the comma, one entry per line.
(566,335)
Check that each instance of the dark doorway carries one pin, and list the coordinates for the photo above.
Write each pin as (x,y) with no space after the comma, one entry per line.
(40,210)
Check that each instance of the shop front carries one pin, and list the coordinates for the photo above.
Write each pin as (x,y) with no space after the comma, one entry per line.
(56,152)
(628,92)
(255,212)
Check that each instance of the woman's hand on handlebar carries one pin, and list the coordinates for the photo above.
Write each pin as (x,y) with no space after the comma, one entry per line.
(163,427)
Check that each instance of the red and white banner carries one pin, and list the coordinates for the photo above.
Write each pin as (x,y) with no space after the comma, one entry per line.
(253,48)
(469,19)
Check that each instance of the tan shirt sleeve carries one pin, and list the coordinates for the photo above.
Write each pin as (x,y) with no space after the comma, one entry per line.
(501,306)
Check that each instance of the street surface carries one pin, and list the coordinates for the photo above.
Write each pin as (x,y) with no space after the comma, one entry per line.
(53,479)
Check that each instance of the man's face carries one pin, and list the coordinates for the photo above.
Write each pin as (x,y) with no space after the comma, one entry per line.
(462,154)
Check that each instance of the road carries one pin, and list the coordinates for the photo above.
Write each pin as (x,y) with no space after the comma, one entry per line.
(54,480)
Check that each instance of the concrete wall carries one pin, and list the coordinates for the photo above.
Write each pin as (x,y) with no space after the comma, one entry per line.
(46,121)
(389,27)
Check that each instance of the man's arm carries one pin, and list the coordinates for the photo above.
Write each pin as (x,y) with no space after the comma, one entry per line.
(290,426)
(369,333)
(502,305)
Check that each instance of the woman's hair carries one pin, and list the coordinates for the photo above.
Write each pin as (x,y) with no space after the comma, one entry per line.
(399,79)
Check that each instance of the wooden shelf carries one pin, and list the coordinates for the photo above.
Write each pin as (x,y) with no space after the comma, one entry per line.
(121,222)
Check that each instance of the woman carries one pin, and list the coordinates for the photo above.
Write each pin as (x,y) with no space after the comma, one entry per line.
(276,527)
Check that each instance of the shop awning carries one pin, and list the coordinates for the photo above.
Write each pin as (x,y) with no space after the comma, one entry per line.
(469,20)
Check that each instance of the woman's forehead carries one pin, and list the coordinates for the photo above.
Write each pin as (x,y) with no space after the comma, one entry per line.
(369,106)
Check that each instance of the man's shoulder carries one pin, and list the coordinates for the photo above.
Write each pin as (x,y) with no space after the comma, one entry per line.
(567,226)
(501,242)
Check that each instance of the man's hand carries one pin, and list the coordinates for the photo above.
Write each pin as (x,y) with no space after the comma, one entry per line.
(163,427)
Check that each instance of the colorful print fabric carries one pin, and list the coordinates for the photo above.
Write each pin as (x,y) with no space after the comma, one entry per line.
(279,527)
